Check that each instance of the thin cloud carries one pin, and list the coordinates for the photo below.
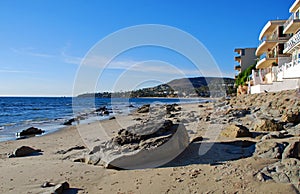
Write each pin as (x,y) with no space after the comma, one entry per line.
(31,52)
(15,71)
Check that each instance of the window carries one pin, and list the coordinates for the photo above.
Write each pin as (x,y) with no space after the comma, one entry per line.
(280,33)
(243,52)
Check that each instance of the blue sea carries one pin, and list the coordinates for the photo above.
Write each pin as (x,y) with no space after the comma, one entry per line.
(49,113)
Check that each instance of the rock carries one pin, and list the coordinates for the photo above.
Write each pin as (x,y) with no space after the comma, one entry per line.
(197,139)
(24,151)
(69,122)
(144,109)
(285,171)
(47,184)
(93,159)
(268,125)
(146,145)
(171,108)
(292,150)
(31,131)
(77,147)
(101,109)
(275,134)
(131,106)
(291,117)
(112,118)
(269,149)
(262,177)
(61,188)
(235,131)
(238,113)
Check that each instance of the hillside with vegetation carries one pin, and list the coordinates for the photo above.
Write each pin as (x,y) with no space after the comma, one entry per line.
(185,87)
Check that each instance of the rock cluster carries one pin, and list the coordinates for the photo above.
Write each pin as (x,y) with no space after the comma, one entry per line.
(276,117)
(150,142)
(31,131)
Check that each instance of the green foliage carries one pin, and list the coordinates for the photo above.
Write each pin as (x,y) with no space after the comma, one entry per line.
(243,76)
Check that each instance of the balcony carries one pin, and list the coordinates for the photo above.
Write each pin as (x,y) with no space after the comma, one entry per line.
(237,68)
(238,59)
(265,61)
(292,43)
(269,42)
(292,25)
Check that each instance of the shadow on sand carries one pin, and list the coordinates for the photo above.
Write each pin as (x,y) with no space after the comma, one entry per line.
(213,153)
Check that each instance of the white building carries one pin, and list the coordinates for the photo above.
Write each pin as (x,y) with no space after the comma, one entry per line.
(279,65)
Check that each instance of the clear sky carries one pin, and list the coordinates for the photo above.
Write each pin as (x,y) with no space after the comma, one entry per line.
(42,42)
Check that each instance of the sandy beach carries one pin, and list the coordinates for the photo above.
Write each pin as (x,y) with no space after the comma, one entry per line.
(229,166)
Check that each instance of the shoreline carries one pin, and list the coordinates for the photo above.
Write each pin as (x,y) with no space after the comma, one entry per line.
(230,165)
(51,128)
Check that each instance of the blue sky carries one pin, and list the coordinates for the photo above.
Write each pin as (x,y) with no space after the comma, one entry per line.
(43,42)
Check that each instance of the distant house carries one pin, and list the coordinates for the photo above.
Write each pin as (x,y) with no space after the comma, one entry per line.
(245,58)
(278,67)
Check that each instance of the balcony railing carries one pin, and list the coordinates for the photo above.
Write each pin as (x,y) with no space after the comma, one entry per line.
(290,20)
(292,42)
(274,38)
(267,56)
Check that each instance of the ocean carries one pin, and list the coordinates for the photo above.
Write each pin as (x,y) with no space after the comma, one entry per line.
(49,113)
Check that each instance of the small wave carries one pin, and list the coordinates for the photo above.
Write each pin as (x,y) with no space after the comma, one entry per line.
(9,124)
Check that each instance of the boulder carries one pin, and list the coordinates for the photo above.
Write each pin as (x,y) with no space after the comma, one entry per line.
(292,150)
(61,188)
(144,109)
(172,108)
(269,149)
(24,151)
(197,139)
(69,122)
(291,117)
(268,125)
(31,131)
(145,145)
(101,109)
(235,131)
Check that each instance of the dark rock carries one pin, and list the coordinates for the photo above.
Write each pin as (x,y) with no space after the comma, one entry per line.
(24,151)
(197,139)
(235,131)
(144,109)
(112,118)
(69,122)
(31,131)
(61,188)
(268,125)
(101,109)
(106,112)
(172,108)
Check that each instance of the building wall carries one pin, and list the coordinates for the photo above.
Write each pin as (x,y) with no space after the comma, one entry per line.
(248,58)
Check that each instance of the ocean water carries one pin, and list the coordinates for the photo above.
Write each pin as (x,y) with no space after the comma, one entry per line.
(49,113)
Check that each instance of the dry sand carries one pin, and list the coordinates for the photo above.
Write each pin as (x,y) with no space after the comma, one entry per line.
(27,174)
